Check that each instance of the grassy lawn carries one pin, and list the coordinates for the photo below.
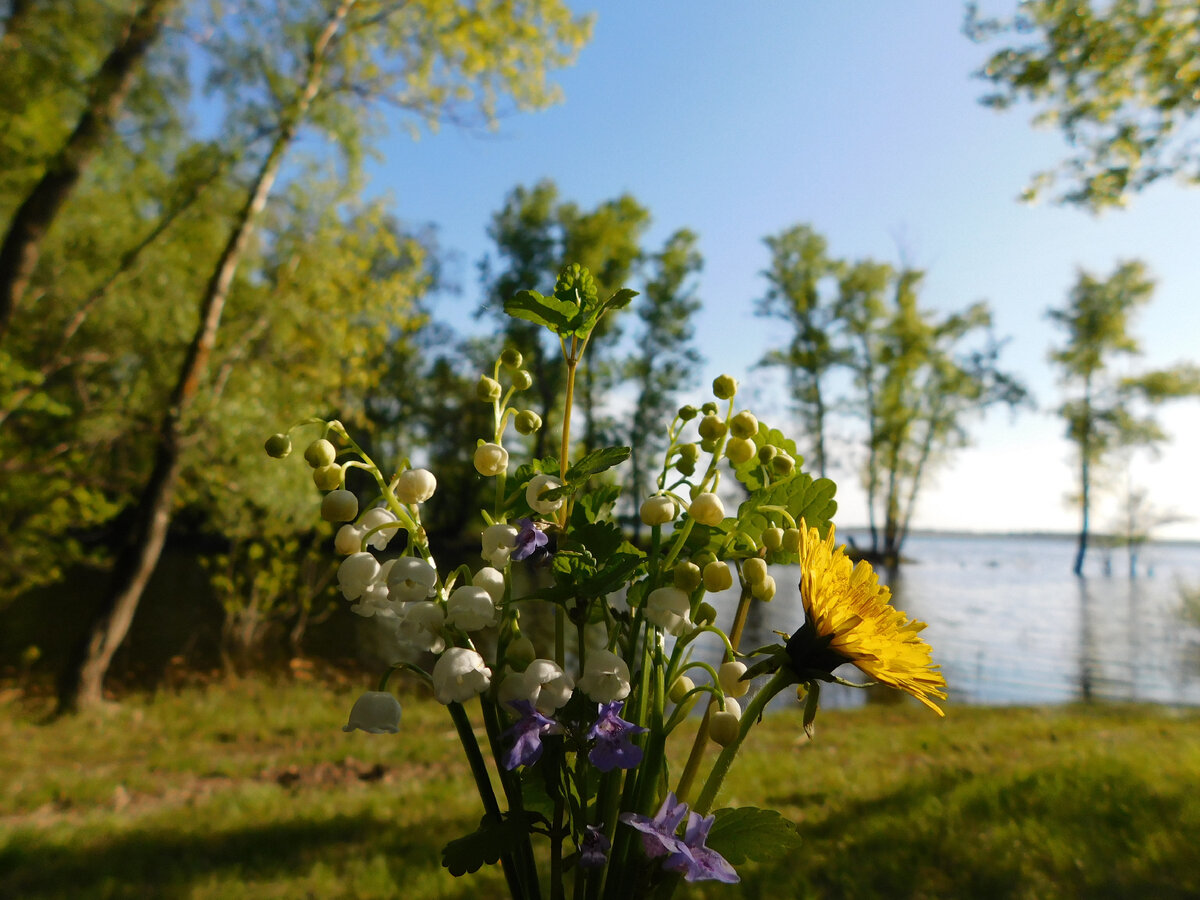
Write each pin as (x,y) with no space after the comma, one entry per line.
(251,789)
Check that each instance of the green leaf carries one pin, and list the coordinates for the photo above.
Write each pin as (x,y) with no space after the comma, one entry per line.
(800,495)
(596,462)
(485,847)
(749,833)
(556,314)
(620,299)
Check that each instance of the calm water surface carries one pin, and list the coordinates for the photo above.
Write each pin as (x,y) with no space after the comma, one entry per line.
(1009,624)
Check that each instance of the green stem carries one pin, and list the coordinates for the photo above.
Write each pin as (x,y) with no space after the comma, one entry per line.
(721,767)
(512,792)
(483,782)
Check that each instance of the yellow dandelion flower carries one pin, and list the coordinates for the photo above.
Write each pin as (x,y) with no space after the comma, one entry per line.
(849,618)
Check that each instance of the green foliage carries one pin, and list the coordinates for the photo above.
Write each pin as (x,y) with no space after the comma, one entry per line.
(748,833)
(1119,79)
(485,846)
(1108,416)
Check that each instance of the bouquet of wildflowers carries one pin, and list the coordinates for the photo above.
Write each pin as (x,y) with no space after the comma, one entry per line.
(579,712)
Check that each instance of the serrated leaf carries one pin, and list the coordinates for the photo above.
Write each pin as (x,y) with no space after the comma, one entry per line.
(596,462)
(492,840)
(749,833)
(750,473)
(620,299)
(600,538)
(800,495)
(553,313)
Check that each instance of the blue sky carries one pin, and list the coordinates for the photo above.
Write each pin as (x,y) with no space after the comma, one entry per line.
(861,119)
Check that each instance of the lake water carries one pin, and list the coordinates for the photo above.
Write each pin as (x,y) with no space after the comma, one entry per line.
(1010,624)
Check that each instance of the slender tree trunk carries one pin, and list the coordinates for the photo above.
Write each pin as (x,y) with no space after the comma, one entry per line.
(82,682)
(22,243)
(1085,476)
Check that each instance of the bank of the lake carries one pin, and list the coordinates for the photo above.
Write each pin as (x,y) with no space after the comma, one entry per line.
(251,789)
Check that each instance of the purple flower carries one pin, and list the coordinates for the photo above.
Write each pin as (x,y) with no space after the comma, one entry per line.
(593,850)
(613,749)
(527,735)
(530,539)
(658,833)
(697,862)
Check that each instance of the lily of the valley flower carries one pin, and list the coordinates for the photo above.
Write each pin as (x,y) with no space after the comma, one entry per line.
(420,627)
(605,677)
(459,675)
(538,485)
(669,608)
(547,686)
(348,540)
(614,749)
(373,518)
(707,509)
(527,735)
(375,712)
(411,578)
(415,486)
(471,608)
(356,573)
(491,459)
(498,543)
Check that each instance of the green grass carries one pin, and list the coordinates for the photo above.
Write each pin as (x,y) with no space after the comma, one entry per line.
(251,789)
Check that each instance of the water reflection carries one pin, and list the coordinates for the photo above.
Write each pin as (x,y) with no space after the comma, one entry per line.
(1009,624)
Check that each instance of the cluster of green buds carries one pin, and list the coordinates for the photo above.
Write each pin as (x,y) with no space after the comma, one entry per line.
(491,459)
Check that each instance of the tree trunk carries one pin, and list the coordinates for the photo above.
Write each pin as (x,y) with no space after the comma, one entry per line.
(1085,480)
(30,223)
(82,682)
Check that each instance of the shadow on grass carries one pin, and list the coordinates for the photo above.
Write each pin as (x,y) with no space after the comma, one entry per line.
(1055,832)
(147,862)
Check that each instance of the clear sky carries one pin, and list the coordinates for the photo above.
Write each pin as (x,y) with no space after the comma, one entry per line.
(741,119)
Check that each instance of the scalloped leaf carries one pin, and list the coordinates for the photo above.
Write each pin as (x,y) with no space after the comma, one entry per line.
(485,846)
(597,461)
(800,495)
(750,473)
(558,315)
(748,833)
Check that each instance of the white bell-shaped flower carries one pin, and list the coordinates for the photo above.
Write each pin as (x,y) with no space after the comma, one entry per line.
(547,686)
(538,485)
(375,712)
(491,459)
(459,675)
(707,509)
(492,581)
(471,608)
(669,608)
(730,675)
(348,540)
(411,578)
(373,518)
(420,627)
(415,486)
(374,602)
(605,677)
(356,573)
(498,542)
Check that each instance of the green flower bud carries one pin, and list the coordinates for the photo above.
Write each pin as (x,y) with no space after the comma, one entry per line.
(723,726)
(704,557)
(783,464)
(791,540)
(764,590)
(680,687)
(528,421)
(709,408)
(717,577)
(754,570)
(522,380)
(708,445)
(689,452)
(707,509)
(772,538)
(686,577)
(724,387)
(687,413)
(278,446)
(743,425)
(766,453)
(520,653)
(706,614)
(487,390)
(712,428)
(730,675)
(320,453)
(327,478)
(686,467)
(511,359)
(339,506)
(658,510)
(739,450)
